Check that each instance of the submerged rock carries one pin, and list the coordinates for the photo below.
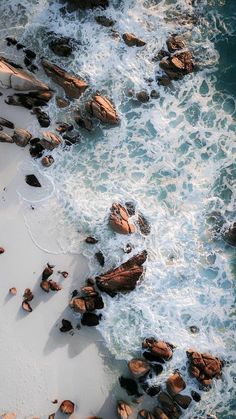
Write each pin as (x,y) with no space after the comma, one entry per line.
(61,46)
(124,278)
(5,138)
(47,161)
(104,21)
(175,383)
(91,240)
(119,220)
(21,137)
(100,258)
(100,107)
(160,350)
(90,319)
(32,181)
(18,79)
(138,367)
(124,410)
(72,85)
(230,235)
(67,407)
(130,386)
(204,366)
(82,121)
(132,41)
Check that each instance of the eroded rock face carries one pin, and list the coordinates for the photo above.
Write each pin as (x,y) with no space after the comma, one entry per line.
(132,41)
(119,220)
(72,85)
(124,410)
(124,278)
(204,366)
(138,367)
(21,137)
(11,77)
(100,107)
(160,350)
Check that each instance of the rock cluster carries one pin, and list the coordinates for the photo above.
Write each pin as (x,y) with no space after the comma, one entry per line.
(204,367)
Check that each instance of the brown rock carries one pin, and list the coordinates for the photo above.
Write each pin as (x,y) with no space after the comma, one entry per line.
(21,137)
(52,416)
(104,21)
(175,43)
(47,161)
(119,220)
(159,349)
(62,102)
(50,140)
(124,278)
(78,304)
(204,366)
(91,240)
(132,41)
(143,96)
(159,414)
(47,272)
(64,274)
(169,406)
(54,286)
(2,250)
(164,81)
(5,123)
(144,414)
(28,295)
(175,383)
(82,121)
(67,407)
(100,107)
(124,410)
(138,367)
(26,306)
(72,85)
(183,400)
(45,285)
(5,138)
(178,65)
(13,291)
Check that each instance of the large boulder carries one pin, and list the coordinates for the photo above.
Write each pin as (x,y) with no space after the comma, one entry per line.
(50,140)
(119,220)
(138,367)
(21,137)
(204,366)
(160,350)
(13,78)
(100,107)
(132,41)
(175,383)
(72,85)
(124,278)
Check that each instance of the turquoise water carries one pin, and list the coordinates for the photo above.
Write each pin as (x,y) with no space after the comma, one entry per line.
(174,157)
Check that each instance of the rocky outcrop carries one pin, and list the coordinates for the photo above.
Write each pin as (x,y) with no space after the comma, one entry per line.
(180,60)
(160,350)
(72,85)
(124,278)
(100,107)
(175,43)
(18,79)
(21,137)
(124,410)
(119,220)
(132,41)
(50,140)
(204,367)
(104,21)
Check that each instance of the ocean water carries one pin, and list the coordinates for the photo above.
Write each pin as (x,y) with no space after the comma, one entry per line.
(174,157)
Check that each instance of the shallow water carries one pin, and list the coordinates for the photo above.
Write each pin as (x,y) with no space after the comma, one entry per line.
(173,157)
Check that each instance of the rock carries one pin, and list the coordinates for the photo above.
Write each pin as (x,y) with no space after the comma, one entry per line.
(30,99)
(64,274)
(175,43)
(32,181)
(42,117)
(83,122)
(66,326)
(130,386)
(28,295)
(5,123)
(159,414)
(144,225)
(132,41)
(124,278)
(175,383)
(124,410)
(72,85)
(164,81)
(138,367)
(100,107)
(78,304)
(204,366)
(152,391)
(47,161)
(11,40)
(13,291)
(64,127)
(18,79)
(10,415)
(127,248)
(30,54)
(157,368)
(119,220)
(89,302)
(61,46)
(194,329)
(230,234)
(143,96)
(26,306)
(169,406)
(144,414)
(54,286)
(5,138)
(196,396)
(52,416)
(91,240)
(47,272)
(2,250)
(183,400)
(177,65)
(21,137)
(62,102)
(20,46)
(154,94)
(159,349)
(90,4)
(67,407)
(50,140)
(100,258)
(90,319)
(45,285)
(104,21)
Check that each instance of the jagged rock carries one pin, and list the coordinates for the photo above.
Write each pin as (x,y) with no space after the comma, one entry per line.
(104,21)
(159,414)
(144,414)
(5,123)
(5,138)
(67,407)
(130,386)
(143,96)
(42,117)
(175,383)
(175,43)
(47,272)
(82,121)
(32,181)
(30,99)
(90,4)
(119,220)
(124,410)
(90,319)
(204,366)
(169,406)
(61,46)
(45,285)
(100,258)
(183,400)
(91,240)
(72,85)
(47,161)
(230,235)
(132,41)
(2,250)
(18,79)
(62,102)
(159,350)
(100,107)
(50,140)
(196,396)
(66,326)
(124,278)
(21,137)
(177,65)
(138,367)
